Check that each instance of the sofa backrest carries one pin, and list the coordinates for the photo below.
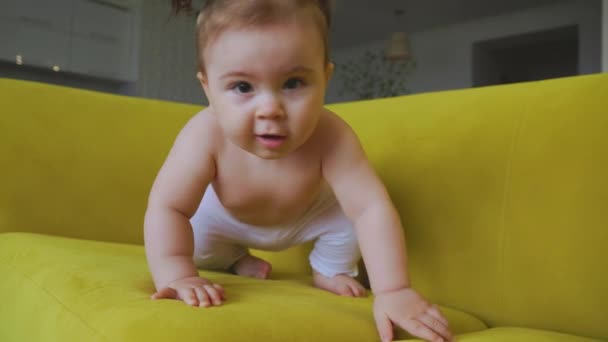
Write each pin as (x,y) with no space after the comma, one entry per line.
(502,190)
(79,163)
(503,193)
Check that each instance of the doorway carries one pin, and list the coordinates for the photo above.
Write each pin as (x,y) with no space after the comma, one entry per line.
(527,57)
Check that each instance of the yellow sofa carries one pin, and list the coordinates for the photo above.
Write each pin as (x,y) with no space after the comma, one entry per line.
(503,193)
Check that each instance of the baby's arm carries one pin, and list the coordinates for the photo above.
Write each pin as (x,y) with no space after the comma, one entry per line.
(366,202)
(174,198)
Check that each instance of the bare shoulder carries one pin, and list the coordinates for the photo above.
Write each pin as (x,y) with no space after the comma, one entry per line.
(334,132)
(331,120)
(200,131)
(197,141)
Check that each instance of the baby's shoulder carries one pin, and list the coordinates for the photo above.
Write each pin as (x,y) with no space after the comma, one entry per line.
(338,139)
(203,121)
(332,127)
(200,131)
(202,124)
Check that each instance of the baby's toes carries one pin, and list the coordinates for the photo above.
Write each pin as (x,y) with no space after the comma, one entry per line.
(358,290)
(345,290)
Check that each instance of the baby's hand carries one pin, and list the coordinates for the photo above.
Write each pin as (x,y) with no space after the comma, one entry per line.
(407,309)
(195,291)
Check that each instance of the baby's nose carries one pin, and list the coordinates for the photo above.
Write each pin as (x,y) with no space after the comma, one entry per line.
(270,108)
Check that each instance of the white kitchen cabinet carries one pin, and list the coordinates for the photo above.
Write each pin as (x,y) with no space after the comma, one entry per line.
(8,41)
(40,46)
(86,37)
(100,59)
(8,9)
(38,31)
(52,15)
(102,40)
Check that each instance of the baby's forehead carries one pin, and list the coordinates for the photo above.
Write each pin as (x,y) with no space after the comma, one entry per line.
(213,21)
(271,28)
(272,48)
(268,70)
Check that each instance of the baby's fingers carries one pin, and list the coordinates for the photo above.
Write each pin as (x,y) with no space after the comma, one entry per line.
(436,325)
(220,289)
(203,297)
(384,326)
(214,295)
(419,329)
(166,292)
(433,310)
(189,296)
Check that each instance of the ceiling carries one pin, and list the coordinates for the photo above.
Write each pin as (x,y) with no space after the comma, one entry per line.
(359,21)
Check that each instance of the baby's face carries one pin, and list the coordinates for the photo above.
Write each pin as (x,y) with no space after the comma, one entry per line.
(267,85)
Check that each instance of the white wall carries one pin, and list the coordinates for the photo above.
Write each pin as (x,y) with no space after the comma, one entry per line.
(605,36)
(351,17)
(444,55)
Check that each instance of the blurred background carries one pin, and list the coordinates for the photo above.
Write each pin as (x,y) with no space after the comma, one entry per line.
(380,47)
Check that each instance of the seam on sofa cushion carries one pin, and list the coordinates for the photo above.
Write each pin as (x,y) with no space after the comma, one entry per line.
(58,301)
(503,231)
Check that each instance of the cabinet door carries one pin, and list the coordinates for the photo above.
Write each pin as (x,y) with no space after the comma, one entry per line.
(41,47)
(38,31)
(8,15)
(101,43)
(53,15)
(8,40)
(8,9)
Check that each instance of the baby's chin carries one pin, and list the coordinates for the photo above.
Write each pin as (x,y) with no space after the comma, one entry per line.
(257,148)
(272,155)
(266,153)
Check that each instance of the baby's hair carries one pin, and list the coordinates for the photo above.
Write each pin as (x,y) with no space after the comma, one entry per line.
(217,15)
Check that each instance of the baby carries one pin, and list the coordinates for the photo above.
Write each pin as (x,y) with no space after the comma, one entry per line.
(265,166)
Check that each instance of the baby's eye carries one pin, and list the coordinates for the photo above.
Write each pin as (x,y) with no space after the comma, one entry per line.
(293,83)
(242,87)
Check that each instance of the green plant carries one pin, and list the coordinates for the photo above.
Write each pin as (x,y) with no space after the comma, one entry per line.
(370,75)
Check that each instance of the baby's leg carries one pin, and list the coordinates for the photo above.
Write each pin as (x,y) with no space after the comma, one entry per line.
(217,255)
(218,241)
(252,266)
(341,284)
(335,255)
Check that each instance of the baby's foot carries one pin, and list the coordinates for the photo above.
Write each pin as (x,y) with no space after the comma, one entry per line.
(251,266)
(340,284)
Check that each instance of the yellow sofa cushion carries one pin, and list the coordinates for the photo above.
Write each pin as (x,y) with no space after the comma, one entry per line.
(511,334)
(63,289)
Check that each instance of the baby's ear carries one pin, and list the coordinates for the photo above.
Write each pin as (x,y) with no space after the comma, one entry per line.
(203,80)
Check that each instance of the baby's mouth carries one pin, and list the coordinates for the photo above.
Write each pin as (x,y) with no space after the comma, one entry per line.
(271,140)
(271,136)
